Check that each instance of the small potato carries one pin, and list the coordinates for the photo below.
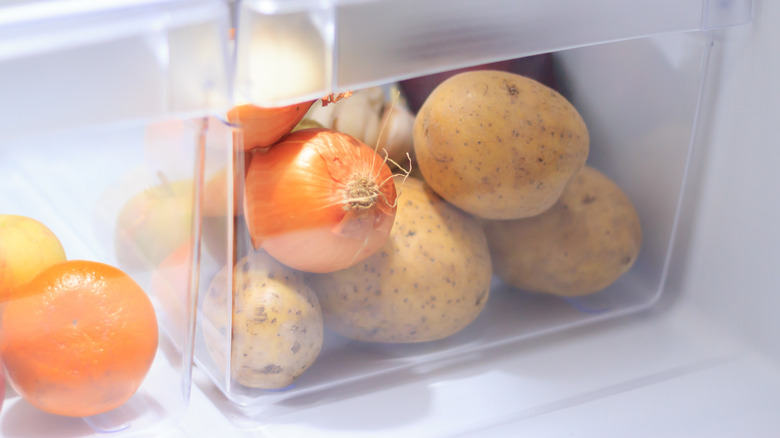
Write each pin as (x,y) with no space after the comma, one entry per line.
(499,145)
(277,328)
(588,239)
(429,280)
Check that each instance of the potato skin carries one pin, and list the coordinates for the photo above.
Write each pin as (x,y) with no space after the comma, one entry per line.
(429,280)
(581,245)
(277,326)
(499,145)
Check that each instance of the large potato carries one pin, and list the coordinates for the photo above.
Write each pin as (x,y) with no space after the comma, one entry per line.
(588,239)
(277,328)
(430,280)
(499,145)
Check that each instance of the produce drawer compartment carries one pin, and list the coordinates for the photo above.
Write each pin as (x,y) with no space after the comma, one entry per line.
(508,171)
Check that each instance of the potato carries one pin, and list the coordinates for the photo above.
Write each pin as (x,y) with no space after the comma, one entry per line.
(429,280)
(581,245)
(499,145)
(277,328)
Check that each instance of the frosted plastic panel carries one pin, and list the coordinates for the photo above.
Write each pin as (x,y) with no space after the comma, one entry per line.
(66,71)
(283,58)
(372,42)
(402,37)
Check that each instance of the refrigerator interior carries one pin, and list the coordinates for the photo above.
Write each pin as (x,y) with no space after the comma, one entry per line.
(682,345)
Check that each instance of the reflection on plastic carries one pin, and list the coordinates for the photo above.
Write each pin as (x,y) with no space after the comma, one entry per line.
(286,388)
(583,306)
(96,423)
(136,410)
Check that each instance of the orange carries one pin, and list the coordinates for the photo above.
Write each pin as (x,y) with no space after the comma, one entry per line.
(79,338)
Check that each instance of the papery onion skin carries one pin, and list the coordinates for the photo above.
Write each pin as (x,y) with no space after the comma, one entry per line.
(261,127)
(299,208)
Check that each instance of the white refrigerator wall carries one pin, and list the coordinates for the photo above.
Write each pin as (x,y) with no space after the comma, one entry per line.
(731,270)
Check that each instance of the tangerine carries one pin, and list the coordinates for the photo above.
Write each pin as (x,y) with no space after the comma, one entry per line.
(79,338)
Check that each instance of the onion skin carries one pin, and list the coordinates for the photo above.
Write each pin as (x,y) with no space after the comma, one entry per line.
(262,127)
(298,205)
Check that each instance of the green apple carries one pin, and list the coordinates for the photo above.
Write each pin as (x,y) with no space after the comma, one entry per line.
(153,224)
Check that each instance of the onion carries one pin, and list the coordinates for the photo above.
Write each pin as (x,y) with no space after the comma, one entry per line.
(319,200)
(261,127)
